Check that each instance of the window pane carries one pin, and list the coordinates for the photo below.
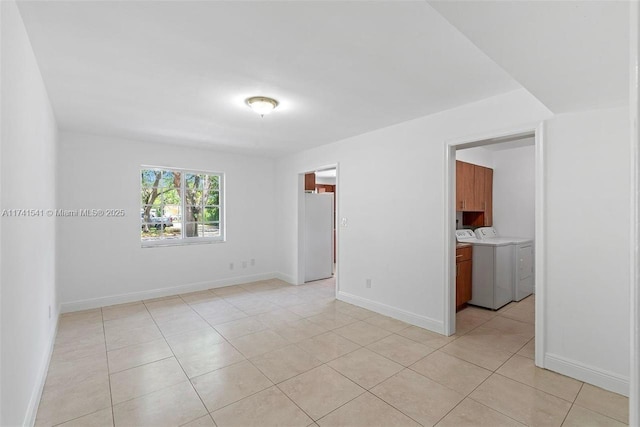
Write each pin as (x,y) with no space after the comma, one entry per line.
(162,213)
(174,212)
(150,177)
(170,196)
(214,198)
(167,179)
(194,181)
(214,182)
(211,230)
(145,213)
(211,214)
(193,197)
(193,213)
(157,208)
(191,229)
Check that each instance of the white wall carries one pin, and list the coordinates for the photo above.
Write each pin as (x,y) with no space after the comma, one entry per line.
(28,154)
(396,225)
(101,260)
(395,233)
(514,191)
(587,251)
(477,156)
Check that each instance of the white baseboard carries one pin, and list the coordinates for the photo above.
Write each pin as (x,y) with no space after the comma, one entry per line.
(162,292)
(387,310)
(285,277)
(589,374)
(36,394)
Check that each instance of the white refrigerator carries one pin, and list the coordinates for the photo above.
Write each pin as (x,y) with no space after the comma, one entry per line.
(318,236)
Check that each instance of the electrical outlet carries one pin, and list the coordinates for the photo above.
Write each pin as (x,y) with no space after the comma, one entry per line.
(49,312)
(368,283)
(230,266)
(244,264)
(344,222)
(253,262)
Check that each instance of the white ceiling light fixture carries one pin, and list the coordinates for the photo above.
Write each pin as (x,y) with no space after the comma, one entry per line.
(262,104)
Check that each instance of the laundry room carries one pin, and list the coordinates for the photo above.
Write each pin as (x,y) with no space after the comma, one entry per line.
(495,226)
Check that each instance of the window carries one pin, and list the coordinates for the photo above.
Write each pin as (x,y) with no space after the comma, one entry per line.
(179,206)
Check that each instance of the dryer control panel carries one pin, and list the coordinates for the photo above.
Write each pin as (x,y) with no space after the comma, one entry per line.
(486,233)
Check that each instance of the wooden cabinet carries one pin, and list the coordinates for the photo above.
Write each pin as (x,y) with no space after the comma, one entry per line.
(474,194)
(310,181)
(463,276)
(488,197)
(465,175)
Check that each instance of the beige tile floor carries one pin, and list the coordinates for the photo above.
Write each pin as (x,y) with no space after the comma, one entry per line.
(270,354)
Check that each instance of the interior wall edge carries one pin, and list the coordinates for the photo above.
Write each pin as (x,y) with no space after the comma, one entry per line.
(286,278)
(43,370)
(634,285)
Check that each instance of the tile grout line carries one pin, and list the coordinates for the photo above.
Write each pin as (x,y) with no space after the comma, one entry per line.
(106,355)
(277,385)
(145,364)
(247,360)
(272,328)
(178,361)
(108,378)
(164,338)
(389,403)
(251,362)
(593,410)
(205,373)
(468,395)
(495,372)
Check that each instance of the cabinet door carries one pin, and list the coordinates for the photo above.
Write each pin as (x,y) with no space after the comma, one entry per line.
(309,182)
(463,282)
(465,272)
(477,203)
(488,197)
(459,186)
(464,186)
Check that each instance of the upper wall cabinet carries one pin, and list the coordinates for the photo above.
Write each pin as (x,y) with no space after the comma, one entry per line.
(310,181)
(474,193)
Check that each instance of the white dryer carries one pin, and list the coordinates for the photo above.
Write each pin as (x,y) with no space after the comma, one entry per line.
(523,258)
(491,270)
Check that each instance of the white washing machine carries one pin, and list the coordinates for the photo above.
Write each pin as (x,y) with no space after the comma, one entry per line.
(523,258)
(491,270)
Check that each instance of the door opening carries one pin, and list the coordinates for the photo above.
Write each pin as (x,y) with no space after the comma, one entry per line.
(317,236)
(494,192)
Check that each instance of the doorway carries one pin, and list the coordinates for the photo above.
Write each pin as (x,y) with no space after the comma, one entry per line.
(317,231)
(456,219)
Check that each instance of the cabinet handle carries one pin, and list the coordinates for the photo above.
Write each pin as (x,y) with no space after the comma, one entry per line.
(458,256)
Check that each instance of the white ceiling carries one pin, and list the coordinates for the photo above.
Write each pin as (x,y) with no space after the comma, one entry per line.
(178,72)
(571,55)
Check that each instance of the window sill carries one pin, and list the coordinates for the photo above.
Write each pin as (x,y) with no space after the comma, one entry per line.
(180,242)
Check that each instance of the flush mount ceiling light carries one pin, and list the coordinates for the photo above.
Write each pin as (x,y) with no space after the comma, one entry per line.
(262,104)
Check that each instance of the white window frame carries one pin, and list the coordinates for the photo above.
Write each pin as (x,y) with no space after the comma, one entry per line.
(183,240)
